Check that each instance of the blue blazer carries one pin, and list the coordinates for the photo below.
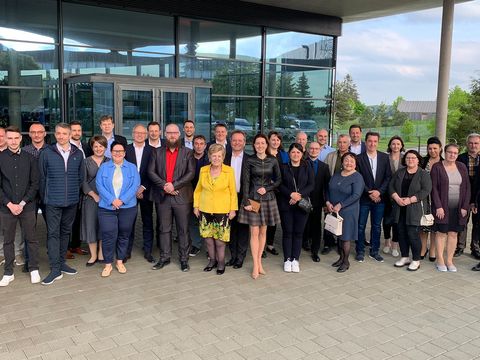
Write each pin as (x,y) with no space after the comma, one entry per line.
(131,182)
(382,177)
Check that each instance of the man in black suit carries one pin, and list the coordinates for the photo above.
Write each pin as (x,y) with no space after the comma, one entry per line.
(107,126)
(171,170)
(357,146)
(155,134)
(471,160)
(239,233)
(188,133)
(313,228)
(221,132)
(139,153)
(374,166)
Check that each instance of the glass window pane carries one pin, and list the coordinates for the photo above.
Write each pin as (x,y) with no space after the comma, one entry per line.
(293,81)
(137,108)
(202,111)
(228,77)
(27,64)
(28,20)
(80,60)
(237,113)
(215,39)
(299,48)
(290,116)
(22,107)
(108,28)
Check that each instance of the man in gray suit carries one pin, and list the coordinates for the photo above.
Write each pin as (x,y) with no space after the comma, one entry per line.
(171,170)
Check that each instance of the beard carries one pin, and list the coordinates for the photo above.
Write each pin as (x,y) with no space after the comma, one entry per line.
(173,144)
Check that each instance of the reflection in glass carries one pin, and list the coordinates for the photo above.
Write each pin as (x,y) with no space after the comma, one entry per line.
(117,29)
(222,40)
(299,48)
(22,107)
(237,113)
(137,108)
(290,116)
(28,20)
(90,61)
(294,81)
(203,111)
(228,77)
(175,108)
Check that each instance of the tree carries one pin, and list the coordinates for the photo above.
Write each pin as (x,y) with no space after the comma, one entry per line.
(382,115)
(306,107)
(407,130)
(346,101)
(470,117)
(368,119)
(398,118)
(458,102)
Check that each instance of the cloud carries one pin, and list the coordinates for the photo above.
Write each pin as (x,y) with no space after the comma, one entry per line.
(463,12)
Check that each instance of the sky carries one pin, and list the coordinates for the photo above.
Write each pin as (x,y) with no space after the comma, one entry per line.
(398,55)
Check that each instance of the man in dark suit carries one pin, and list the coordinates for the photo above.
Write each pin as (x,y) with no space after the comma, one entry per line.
(139,153)
(238,232)
(313,229)
(471,160)
(171,171)
(155,134)
(188,133)
(357,146)
(374,166)
(221,132)
(107,126)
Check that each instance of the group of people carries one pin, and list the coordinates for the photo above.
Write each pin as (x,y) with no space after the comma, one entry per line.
(216,194)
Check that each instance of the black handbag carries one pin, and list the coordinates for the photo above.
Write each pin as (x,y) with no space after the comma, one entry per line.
(304,203)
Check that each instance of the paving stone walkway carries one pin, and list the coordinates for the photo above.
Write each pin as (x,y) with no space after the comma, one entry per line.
(373,311)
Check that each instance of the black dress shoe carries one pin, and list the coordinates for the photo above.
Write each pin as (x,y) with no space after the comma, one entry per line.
(160,264)
(338,263)
(272,251)
(458,252)
(326,250)
(149,258)
(88,264)
(432,259)
(238,265)
(476,255)
(184,266)
(476,267)
(342,268)
(315,258)
(220,272)
(231,262)
(210,267)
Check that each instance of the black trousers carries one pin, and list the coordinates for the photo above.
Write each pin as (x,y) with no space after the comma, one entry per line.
(75,241)
(146,212)
(313,229)
(167,210)
(293,224)
(239,237)
(9,225)
(475,242)
(59,227)
(409,238)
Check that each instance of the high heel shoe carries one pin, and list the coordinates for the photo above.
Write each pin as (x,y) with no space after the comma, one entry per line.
(342,268)
(254,275)
(337,263)
(211,267)
(220,272)
(432,259)
(423,256)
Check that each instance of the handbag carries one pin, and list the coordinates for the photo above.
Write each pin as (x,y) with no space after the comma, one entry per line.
(255,205)
(304,203)
(426,219)
(334,224)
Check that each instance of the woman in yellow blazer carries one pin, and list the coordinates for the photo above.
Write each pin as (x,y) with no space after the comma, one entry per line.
(215,204)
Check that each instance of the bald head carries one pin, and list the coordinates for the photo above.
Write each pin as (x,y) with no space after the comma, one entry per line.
(172,133)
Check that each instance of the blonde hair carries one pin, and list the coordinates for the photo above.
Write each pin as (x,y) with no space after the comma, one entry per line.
(214,148)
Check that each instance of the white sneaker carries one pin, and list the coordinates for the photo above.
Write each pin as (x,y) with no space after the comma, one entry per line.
(7,279)
(386,250)
(295,266)
(414,266)
(35,277)
(395,253)
(402,262)
(287,266)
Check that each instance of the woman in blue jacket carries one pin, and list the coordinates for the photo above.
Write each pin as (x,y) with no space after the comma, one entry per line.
(117,184)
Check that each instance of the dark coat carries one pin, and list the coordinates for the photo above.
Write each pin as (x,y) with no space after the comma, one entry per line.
(147,154)
(319,193)
(228,161)
(363,147)
(440,192)
(228,148)
(182,175)
(463,158)
(305,184)
(382,179)
(59,187)
(420,187)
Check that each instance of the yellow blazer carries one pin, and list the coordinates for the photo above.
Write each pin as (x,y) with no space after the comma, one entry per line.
(216,196)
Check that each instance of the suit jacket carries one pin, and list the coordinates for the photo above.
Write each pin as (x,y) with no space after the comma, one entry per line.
(305,184)
(146,155)
(382,178)
(182,176)
(322,178)
(363,147)
(463,158)
(228,148)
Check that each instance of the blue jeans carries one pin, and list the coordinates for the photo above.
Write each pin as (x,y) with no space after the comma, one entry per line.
(59,227)
(116,227)
(376,216)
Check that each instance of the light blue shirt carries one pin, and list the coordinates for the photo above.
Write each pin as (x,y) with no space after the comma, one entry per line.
(327,149)
(130,185)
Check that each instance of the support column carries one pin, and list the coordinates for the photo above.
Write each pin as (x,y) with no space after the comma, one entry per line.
(444,69)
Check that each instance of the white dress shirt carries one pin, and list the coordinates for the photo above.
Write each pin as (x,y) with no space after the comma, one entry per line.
(236,164)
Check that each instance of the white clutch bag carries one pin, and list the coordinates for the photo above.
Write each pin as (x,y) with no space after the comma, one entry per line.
(426,219)
(334,224)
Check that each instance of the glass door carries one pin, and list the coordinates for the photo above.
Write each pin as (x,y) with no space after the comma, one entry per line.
(176,106)
(137,107)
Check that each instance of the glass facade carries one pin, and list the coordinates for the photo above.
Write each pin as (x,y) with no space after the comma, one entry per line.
(261,78)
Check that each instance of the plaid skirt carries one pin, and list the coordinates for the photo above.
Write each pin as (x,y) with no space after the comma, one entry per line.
(268,214)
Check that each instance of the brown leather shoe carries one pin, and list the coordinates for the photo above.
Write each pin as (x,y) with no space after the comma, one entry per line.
(79,251)
(69,255)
